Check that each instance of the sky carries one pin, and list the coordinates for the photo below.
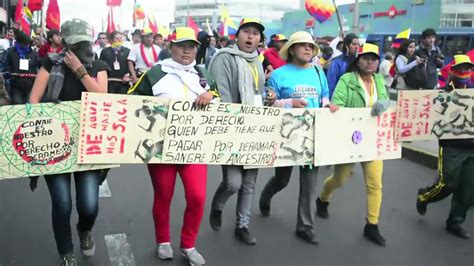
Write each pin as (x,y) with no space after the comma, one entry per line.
(95,11)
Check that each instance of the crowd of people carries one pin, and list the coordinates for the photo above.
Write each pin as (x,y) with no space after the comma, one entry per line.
(204,68)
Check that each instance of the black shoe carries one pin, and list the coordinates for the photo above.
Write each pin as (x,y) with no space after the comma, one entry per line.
(322,208)
(215,219)
(244,236)
(458,231)
(371,232)
(420,205)
(307,236)
(264,207)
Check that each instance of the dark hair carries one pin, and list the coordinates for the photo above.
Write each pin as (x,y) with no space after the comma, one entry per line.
(428,32)
(348,40)
(113,34)
(158,35)
(403,49)
(327,50)
(50,35)
(272,41)
(22,38)
(354,66)
(101,33)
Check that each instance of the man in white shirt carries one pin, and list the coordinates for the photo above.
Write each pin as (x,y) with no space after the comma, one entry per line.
(384,69)
(143,55)
(102,42)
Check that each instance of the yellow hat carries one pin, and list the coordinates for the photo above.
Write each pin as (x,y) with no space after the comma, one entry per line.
(251,22)
(368,48)
(280,37)
(183,34)
(298,37)
(146,31)
(462,59)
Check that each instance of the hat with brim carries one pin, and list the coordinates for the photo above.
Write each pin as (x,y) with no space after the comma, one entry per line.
(146,31)
(75,31)
(183,34)
(247,22)
(298,37)
(462,59)
(368,48)
(280,38)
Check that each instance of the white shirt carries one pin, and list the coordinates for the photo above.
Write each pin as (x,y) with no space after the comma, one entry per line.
(384,70)
(136,56)
(171,86)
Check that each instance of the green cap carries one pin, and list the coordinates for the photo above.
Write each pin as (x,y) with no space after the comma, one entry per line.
(76,30)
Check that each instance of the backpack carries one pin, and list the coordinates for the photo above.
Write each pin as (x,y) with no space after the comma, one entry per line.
(416,78)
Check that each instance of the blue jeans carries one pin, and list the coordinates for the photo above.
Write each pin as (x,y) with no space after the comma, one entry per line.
(87,201)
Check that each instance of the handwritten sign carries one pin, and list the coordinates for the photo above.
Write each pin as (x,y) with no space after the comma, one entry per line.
(233,134)
(354,135)
(430,114)
(40,139)
(119,128)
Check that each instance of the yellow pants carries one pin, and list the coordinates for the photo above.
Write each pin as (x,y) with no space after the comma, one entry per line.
(373,180)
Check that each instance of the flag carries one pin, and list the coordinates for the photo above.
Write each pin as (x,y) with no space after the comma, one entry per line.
(152,24)
(35,5)
(401,36)
(53,16)
(139,12)
(164,31)
(18,11)
(110,21)
(192,24)
(113,2)
(227,26)
(23,17)
(209,28)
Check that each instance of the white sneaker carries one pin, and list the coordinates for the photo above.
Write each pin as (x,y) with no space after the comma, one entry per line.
(195,259)
(164,251)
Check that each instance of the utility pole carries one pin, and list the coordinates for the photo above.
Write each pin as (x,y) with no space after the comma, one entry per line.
(355,21)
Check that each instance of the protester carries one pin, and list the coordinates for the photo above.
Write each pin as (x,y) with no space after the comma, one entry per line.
(240,79)
(287,82)
(213,42)
(143,55)
(205,51)
(456,162)
(81,73)
(405,52)
(158,40)
(53,44)
(137,36)
(339,64)
(223,42)
(179,78)
(325,59)
(433,56)
(384,69)
(4,98)
(101,43)
(22,65)
(272,53)
(116,57)
(360,87)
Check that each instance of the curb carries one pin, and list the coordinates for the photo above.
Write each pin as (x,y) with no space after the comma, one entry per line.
(417,155)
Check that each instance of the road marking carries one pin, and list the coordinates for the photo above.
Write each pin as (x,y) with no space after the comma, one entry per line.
(120,252)
(104,190)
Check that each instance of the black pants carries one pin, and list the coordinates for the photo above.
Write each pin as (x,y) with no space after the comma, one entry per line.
(117,87)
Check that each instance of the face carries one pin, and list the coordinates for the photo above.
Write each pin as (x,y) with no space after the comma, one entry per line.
(117,38)
(83,50)
(212,42)
(411,49)
(10,34)
(57,39)
(302,52)
(147,40)
(166,44)
(136,39)
(248,39)
(158,41)
(429,41)
(368,63)
(353,47)
(463,68)
(102,40)
(184,52)
(279,45)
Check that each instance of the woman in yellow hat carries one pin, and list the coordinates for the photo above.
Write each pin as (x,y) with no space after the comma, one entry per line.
(298,84)
(360,87)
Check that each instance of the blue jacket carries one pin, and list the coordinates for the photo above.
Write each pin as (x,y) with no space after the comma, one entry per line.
(337,68)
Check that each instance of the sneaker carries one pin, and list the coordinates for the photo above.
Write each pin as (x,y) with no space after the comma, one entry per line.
(87,243)
(264,207)
(307,236)
(215,219)
(244,236)
(322,208)
(164,251)
(195,259)
(458,231)
(371,232)
(421,206)
(68,260)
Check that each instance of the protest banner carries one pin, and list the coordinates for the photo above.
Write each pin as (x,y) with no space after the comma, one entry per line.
(40,139)
(432,114)
(234,134)
(354,135)
(122,128)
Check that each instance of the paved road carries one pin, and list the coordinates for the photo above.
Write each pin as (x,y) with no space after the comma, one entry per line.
(125,221)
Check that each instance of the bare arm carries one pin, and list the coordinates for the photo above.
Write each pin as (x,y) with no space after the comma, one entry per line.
(39,87)
(100,86)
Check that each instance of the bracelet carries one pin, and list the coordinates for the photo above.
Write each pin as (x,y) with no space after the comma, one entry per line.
(80,72)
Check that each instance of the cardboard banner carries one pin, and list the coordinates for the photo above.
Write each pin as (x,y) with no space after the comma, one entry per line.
(40,139)
(122,128)
(432,114)
(234,134)
(354,135)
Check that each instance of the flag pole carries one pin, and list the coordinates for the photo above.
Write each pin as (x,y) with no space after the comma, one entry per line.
(134,15)
(187,19)
(341,31)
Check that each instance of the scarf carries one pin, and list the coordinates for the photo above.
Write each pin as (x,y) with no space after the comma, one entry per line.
(145,58)
(248,68)
(186,73)
(116,45)
(22,50)
(461,80)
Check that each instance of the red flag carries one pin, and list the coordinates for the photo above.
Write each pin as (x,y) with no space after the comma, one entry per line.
(53,16)
(18,12)
(110,21)
(152,24)
(114,2)
(35,5)
(192,24)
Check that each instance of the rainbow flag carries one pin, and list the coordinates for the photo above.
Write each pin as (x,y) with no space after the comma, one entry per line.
(401,36)
(139,12)
(227,26)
